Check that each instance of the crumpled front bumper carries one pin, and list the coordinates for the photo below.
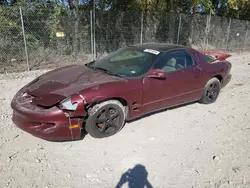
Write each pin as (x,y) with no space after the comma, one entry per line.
(49,124)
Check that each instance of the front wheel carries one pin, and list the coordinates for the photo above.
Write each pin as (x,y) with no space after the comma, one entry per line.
(211,91)
(105,119)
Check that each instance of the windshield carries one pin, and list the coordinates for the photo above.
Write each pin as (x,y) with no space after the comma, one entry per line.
(126,62)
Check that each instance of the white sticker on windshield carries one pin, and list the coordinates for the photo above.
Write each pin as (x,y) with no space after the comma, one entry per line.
(152,51)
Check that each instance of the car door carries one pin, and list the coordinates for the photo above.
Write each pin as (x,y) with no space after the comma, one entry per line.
(182,74)
(191,77)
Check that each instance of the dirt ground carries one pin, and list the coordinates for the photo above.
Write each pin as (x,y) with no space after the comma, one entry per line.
(187,147)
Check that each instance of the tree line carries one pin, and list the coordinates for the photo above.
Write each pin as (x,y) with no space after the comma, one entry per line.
(115,21)
(239,9)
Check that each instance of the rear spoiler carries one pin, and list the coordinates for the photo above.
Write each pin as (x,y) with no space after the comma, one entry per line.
(217,55)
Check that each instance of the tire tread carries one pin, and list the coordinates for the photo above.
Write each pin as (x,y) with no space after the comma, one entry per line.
(89,123)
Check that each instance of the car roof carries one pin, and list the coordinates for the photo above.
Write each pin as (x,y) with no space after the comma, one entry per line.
(159,46)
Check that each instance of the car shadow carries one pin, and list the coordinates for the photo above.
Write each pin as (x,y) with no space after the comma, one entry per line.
(136,177)
(84,133)
(159,111)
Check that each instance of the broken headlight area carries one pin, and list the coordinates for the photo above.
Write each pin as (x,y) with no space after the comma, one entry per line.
(73,106)
(68,104)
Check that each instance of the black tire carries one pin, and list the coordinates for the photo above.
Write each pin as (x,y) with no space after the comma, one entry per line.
(211,91)
(103,120)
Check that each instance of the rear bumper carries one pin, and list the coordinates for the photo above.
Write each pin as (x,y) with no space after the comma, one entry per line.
(226,80)
(48,124)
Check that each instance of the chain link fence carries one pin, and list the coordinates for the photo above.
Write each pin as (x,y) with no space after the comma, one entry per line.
(48,38)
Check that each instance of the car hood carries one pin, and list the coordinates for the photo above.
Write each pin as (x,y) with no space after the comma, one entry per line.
(56,85)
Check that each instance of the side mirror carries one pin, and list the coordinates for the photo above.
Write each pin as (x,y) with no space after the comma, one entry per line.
(157,73)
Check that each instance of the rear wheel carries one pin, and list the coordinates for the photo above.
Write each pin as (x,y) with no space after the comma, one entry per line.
(211,91)
(105,119)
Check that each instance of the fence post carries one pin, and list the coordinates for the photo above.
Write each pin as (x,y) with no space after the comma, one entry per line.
(91,35)
(179,28)
(24,40)
(228,32)
(94,46)
(207,30)
(142,19)
(245,41)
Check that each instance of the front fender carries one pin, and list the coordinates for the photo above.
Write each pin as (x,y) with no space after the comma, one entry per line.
(90,100)
(129,92)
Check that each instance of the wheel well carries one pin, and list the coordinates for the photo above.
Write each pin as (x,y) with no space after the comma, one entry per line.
(121,100)
(219,77)
(124,103)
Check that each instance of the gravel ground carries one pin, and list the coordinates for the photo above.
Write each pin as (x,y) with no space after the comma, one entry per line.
(191,146)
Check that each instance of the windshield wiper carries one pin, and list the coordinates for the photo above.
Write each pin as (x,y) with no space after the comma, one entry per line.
(107,71)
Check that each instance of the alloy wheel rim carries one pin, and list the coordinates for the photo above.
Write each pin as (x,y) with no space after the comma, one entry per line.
(212,92)
(107,121)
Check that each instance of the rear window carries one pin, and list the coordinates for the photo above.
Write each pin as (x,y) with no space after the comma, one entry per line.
(206,58)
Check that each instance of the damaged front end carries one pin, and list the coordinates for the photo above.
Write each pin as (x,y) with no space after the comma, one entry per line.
(42,118)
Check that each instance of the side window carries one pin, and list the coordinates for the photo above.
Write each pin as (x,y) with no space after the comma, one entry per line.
(175,60)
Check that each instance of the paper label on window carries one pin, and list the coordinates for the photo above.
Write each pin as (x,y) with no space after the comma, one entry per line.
(152,51)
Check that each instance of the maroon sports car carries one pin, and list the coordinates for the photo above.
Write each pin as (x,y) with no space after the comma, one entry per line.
(100,96)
